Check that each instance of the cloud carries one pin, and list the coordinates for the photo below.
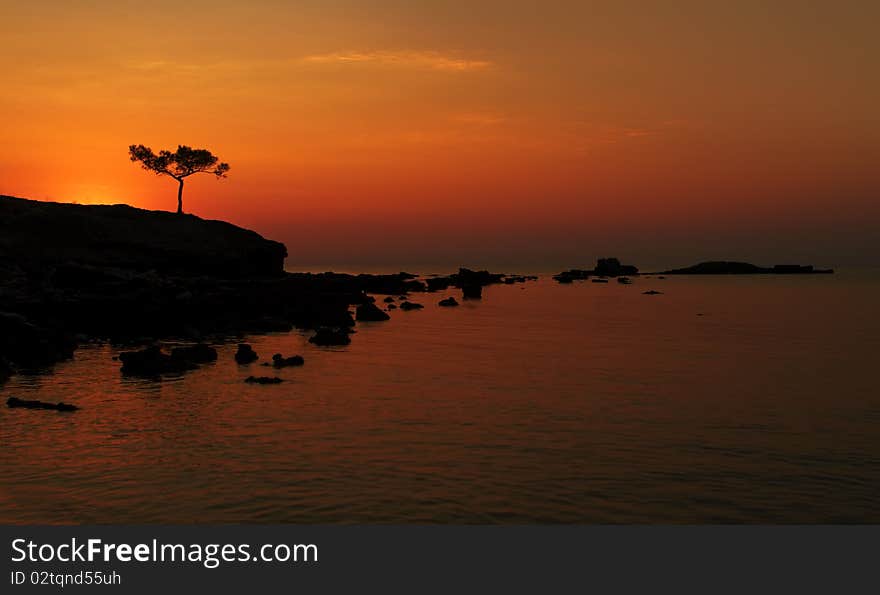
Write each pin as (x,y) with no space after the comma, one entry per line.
(479,118)
(407,59)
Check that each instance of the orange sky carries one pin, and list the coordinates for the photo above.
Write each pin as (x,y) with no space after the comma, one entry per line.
(399,132)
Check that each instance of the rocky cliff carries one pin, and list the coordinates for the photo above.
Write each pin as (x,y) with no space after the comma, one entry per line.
(36,236)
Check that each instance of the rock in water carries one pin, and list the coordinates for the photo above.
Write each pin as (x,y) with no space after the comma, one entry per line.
(410,306)
(448,302)
(652,292)
(279,361)
(472,292)
(245,354)
(263,380)
(389,299)
(624,280)
(14,402)
(152,362)
(370,312)
(611,267)
(439,283)
(328,336)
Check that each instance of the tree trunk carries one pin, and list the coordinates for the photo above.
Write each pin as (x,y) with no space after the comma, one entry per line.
(180,197)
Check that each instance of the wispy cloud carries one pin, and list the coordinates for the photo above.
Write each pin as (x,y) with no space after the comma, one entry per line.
(479,118)
(428,60)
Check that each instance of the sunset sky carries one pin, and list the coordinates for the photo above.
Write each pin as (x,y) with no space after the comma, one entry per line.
(403,132)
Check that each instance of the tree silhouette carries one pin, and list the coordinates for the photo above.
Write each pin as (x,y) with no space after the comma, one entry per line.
(179,165)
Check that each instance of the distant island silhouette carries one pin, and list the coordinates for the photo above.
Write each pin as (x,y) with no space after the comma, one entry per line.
(722,267)
(611,267)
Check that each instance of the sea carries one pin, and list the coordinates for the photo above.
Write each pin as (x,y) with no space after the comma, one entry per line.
(722,399)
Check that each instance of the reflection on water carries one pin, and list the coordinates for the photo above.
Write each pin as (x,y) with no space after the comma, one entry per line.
(722,400)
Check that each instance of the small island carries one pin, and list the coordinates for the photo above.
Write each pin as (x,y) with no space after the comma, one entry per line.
(723,267)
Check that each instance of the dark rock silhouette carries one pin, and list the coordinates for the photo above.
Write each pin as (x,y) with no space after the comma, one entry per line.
(198,354)
(153,362)
(624,280)
(470,281)
(611,267)
(246,354)
(14,402)
(370,312)
(467,277)
(448,302)
(263,380)
(652,292)
(40,235)
(279,361)
(129,275)
(410,306)
(31,346)
(722,267)
(389,300)
(599,280)
(392,307)
(330,336)
(472,292)
(605,267)
(439,283)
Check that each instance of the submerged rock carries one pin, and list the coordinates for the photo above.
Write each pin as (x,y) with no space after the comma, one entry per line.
(370,312)
(389,299)
(410,306)
(448,302)
(652,292)
(14,402)
(279,361)
(600,280)
(246,354)
(330,336)
(392,307)
(263,380)
(624,280)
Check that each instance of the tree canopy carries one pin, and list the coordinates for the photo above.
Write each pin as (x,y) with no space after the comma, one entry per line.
(184,162)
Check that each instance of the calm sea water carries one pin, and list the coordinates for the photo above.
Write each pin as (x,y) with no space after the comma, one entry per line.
(726,399)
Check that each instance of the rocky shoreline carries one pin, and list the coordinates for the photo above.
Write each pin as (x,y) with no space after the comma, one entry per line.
(72,273)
